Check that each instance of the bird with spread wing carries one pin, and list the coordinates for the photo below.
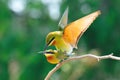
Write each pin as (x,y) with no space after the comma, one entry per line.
(67,38)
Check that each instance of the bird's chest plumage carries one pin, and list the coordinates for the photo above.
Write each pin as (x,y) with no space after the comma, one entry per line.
(63,46)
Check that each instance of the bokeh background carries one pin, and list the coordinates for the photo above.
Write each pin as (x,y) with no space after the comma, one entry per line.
(24,25)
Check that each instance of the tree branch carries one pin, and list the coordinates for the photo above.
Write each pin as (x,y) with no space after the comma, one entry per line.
(110,56)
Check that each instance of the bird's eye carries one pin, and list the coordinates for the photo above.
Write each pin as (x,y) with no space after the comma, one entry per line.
(51,40)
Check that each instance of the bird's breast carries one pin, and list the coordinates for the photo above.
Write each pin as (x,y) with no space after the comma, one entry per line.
(64,46)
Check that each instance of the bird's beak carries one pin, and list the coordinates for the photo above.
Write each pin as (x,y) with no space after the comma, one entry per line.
(41,52)
(45,52)
(46,46)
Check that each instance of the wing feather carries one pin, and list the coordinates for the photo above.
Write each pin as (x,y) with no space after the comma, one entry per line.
(74,30)
(63,20)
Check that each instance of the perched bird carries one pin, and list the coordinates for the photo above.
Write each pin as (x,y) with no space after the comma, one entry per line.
(67,39)
(54,56)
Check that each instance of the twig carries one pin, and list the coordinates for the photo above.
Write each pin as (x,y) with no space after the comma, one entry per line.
(110,56)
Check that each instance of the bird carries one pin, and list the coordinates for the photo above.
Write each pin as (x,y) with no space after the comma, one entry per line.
(66,39)
(54,56)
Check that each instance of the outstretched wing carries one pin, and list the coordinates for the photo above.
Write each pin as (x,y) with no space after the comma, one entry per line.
(63,20)
(74,30)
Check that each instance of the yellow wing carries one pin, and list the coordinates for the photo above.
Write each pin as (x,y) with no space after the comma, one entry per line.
(74,30)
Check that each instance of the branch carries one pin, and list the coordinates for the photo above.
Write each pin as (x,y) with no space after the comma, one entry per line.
(110,56)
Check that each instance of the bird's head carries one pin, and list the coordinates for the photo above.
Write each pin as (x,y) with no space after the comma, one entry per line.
(51,56)
(51,38)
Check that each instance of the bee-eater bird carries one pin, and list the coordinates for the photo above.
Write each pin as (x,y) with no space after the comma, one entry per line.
(68,38)
(54,56)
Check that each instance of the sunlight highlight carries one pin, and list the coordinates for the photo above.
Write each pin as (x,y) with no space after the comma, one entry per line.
(17,5)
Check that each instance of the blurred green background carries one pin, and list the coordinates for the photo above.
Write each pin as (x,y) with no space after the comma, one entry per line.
(24,25)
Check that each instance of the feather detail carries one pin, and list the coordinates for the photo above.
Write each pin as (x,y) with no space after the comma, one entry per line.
(74,30)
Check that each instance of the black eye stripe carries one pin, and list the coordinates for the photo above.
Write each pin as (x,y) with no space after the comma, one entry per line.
(51,40)
(49,52)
